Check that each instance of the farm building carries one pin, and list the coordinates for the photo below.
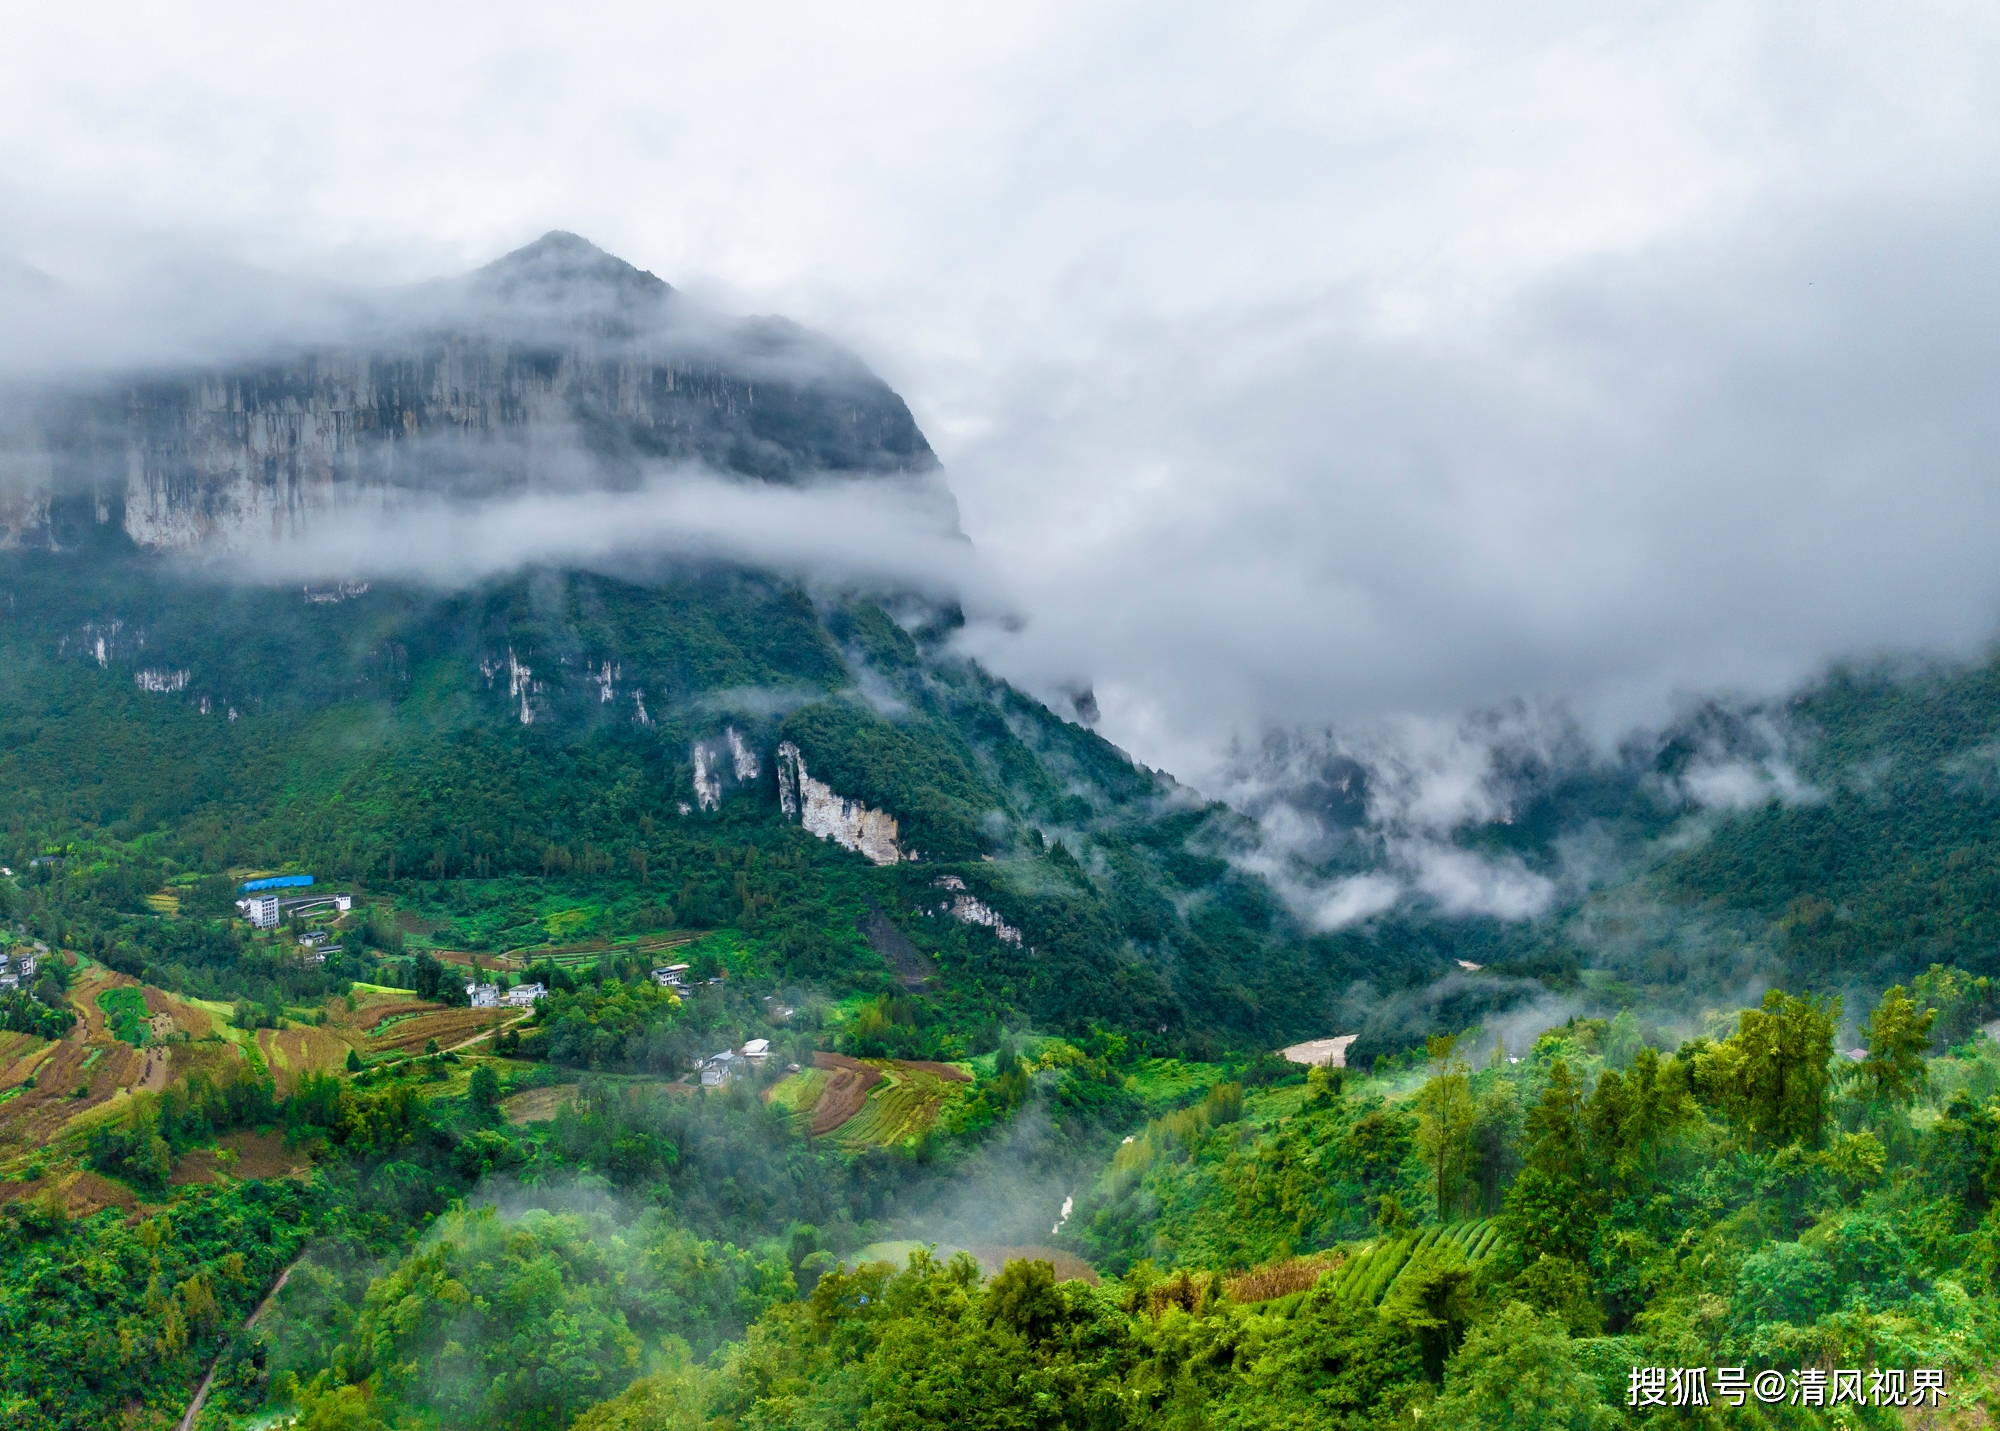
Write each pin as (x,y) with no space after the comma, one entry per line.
(722,1067)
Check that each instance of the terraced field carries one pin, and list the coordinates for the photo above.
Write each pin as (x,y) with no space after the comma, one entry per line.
(864,1103)
(538,1105)
(1372,1273)
(294,1051)
(447,1026)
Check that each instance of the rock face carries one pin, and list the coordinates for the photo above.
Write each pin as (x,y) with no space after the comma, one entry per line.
(558,366)
(969,909)
(712,758)
(848,823)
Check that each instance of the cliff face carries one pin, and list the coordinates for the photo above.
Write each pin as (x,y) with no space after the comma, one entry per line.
(558,366)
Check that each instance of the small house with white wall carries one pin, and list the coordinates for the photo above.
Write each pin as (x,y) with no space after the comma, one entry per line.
(722,1067)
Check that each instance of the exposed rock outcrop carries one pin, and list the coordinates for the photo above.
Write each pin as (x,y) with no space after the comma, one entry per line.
(848,823)
(521,685)
(969,909)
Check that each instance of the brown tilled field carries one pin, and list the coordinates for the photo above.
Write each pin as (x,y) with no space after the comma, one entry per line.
(847,1085)
(376,1008)
(196,1023)
(239,1155)
(448,1026)
(296,1050)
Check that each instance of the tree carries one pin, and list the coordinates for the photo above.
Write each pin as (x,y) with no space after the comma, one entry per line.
(1431,1299)
(1519,1370)
(1897,1036)
(1445,1115)
(353,1061)
(1552,1206)
(485,1090)
(670,1402)
(1024,1298)
(1772,1075)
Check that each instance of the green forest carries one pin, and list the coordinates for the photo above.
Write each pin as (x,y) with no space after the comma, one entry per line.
(995,1135)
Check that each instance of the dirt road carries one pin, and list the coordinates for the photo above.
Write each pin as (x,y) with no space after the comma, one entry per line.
(201,1392)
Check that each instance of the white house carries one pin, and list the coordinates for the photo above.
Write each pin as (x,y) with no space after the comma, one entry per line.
(261,910)
(757,1048)
(524,996)
(483,996)
(722,1067)
(674,976)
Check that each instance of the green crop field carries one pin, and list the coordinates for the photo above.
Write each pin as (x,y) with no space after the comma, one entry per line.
(905,1104)
(1371,1273)
(125,1013)
(797,1094)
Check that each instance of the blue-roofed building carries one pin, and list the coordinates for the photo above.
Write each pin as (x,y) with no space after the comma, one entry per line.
(277,882)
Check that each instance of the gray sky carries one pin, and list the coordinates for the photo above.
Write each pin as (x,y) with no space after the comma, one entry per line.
(1293,363)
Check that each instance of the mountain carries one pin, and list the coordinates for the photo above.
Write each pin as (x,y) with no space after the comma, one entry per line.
(469,752)
(475,753)
(556,366)
(945,965)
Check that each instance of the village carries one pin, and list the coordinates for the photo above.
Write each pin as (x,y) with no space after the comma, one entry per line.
(269,902)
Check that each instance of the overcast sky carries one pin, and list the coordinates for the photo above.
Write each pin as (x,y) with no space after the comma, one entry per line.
(1293,363)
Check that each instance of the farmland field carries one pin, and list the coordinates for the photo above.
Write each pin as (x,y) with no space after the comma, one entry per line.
(864,1103)
(447,1026)
(125,1013)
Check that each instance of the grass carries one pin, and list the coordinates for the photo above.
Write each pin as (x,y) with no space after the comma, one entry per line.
(798,1093)
(1164,1084)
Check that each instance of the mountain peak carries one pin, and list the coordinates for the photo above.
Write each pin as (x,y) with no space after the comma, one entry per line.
(559,259)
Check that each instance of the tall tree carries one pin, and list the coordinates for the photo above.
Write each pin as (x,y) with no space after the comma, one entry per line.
(1898,1036)
(1551,1208)
(1445,1115)
(1773,1074)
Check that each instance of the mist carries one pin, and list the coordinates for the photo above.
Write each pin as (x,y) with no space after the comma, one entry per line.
(1294,368)
(888,535)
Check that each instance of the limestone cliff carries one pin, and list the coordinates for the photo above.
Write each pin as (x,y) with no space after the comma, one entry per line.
(848,823)
(558,366)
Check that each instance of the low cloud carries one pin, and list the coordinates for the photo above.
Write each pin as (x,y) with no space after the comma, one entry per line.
(883,532)
(1391,797)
